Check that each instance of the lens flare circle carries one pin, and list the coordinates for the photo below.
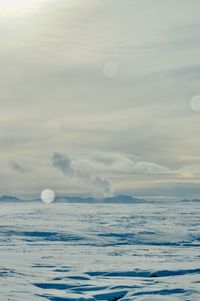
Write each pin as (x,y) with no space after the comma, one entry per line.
(111,69)
(48,196)
(195,103)
(52,127)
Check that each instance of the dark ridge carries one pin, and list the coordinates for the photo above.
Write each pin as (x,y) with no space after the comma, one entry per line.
(166,273)
(164,292)
(144,274)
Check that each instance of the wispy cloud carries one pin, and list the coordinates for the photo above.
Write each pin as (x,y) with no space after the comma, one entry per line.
(20,167)
(119,163)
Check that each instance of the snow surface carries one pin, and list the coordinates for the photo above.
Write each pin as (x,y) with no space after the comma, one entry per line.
(143,252)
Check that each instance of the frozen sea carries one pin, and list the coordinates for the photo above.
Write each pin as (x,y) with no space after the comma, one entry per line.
(142,252)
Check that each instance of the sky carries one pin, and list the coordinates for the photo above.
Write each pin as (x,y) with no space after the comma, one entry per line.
(100,97)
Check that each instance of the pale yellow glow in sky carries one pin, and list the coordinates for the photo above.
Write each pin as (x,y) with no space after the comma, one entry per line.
(10,8)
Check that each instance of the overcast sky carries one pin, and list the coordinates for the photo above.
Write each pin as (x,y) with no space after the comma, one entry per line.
(100,97)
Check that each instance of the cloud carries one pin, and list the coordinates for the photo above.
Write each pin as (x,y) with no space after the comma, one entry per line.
(68,167)
(19,167)
(119,163)
(150,168)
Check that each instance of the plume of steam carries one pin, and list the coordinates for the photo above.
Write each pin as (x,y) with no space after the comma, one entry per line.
(66,166)
(104,185)
(63,163)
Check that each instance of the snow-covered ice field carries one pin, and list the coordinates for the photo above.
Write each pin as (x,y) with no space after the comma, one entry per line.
(143,252)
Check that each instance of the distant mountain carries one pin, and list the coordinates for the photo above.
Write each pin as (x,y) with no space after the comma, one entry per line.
(115,199)
(121,199)
(9,198)
(189,201)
